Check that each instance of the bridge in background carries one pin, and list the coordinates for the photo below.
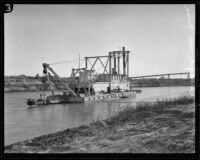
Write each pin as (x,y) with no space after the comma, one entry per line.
(159,75)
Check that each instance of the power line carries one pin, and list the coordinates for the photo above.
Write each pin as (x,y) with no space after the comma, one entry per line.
(68,61)
(169,68)
(161,66)
(79,61)
(150,65)
(147,61)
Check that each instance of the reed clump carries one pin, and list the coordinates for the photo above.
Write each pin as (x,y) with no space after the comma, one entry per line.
(145,109)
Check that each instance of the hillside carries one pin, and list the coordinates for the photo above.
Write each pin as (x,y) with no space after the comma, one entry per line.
(29,83)
(162,82)
(24,83)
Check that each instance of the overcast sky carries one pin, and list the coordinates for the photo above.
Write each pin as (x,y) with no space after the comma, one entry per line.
(160,37)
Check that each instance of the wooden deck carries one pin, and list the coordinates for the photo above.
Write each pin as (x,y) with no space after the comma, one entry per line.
(108,96)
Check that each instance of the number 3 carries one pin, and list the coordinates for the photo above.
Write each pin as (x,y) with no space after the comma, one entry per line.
(7,7)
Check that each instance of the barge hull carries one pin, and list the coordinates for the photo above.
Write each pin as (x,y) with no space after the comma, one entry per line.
(109,96)
(91,98)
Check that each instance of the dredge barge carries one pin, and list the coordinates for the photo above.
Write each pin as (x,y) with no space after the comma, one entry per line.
(85,84)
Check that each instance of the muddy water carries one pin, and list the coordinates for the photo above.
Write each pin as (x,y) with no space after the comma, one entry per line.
(22,122)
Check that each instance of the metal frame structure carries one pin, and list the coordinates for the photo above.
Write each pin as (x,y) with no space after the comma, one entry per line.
(87,59)
(83,85)
(167,74)
(116,62)
(113,63)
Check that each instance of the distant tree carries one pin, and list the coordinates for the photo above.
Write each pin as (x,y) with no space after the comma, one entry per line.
(22,76)
(37,76)
(162,77)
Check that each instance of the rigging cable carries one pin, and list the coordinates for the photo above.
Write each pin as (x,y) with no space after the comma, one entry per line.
(68,61)
(146,63)
(156,65)
(142,69)
(149,66)
(164,66)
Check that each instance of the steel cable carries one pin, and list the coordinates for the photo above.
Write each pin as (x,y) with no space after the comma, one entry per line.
(169,68)
(68,61)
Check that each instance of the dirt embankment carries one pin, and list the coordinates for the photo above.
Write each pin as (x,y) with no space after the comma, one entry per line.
(28,83)
(169,129)
(162,82)
(22,83)
(25,83)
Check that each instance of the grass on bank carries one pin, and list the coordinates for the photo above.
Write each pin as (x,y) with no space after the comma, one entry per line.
(132,113)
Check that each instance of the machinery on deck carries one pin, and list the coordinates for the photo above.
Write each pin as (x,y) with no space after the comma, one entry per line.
(66,96)
(84,82)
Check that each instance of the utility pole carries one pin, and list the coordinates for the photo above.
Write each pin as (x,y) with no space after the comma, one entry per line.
(78,61)
(86,62)
(118,66)
(110,71)
(127,64)
(124,61)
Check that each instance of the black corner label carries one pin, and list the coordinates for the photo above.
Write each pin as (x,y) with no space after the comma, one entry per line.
(8,8)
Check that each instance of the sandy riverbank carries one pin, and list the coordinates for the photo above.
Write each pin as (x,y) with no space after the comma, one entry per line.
(160,128)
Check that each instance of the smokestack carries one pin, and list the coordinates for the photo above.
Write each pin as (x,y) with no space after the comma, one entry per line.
(115,66)
(124,61)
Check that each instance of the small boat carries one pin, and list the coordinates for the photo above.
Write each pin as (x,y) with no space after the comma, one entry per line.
(55,99)
(32,102)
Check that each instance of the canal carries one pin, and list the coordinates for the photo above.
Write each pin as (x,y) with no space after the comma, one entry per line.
(22,122)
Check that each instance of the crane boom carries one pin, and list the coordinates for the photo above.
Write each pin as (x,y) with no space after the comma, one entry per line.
(45,67)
